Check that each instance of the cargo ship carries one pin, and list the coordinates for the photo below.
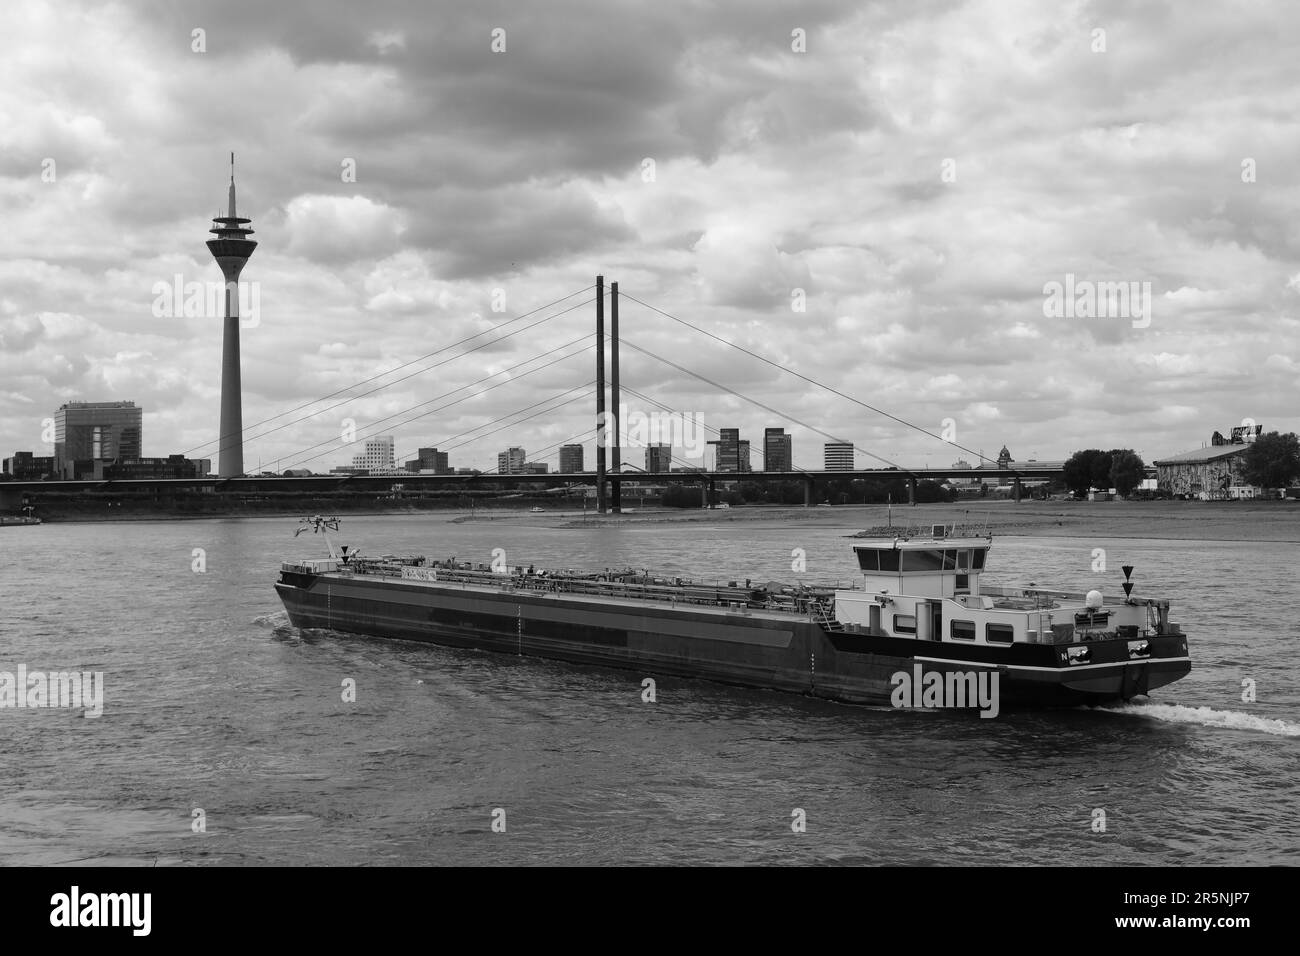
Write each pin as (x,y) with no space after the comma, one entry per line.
(919,608)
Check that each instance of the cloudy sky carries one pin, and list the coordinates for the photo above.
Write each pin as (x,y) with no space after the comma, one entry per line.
(913,175)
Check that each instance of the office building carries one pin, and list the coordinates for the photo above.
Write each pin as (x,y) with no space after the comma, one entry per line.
(732,451)
(571,460)
(378,457)
(512,461)
(26,466)
(778,450)
(838,456)
(658,458)
(86,432)
(429,460)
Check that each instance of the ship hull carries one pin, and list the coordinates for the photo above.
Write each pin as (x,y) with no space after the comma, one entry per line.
(752,648)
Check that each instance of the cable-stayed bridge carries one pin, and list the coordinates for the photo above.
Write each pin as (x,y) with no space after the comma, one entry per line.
(609,475)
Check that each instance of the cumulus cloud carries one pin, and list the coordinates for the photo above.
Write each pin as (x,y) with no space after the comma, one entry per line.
(337,229)
(919,171)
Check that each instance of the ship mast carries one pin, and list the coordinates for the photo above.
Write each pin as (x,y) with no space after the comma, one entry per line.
(319,524)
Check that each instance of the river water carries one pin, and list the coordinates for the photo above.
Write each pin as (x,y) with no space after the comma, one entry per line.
(217,712)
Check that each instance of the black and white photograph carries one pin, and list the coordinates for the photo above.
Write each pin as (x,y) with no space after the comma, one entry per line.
(709,433)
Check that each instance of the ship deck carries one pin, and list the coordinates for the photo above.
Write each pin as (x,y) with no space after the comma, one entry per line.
(801,602)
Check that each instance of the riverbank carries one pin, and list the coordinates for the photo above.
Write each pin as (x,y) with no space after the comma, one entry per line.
(1174,520)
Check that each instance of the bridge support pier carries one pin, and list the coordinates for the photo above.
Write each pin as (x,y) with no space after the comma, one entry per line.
(911,491)
(710,494)
(1017,491)
(808,486)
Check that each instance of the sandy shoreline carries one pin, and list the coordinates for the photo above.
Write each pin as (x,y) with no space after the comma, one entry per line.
(1179,520)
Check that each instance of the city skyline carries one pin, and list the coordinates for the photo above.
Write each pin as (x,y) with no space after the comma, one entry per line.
(750,220)
(734,451)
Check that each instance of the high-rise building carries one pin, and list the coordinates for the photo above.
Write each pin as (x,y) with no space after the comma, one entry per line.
(778,450)
(512,461)
(377,458)
(429,459)
(729,456)
(838,456)
(658,458)
(86,432)
(231,249)
(570,459)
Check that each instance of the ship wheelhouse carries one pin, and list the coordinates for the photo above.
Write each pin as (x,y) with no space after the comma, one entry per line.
(927,587)
(906,581)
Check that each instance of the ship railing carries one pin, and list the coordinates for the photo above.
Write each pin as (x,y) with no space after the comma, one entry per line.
(309,566)
(1068,633)
(1100,626)
(823,613)
(1032,592)
(958,529)
(970,529)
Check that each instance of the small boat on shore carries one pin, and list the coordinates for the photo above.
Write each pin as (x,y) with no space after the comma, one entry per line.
(919,629)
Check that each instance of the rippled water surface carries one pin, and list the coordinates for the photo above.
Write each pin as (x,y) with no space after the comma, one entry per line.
(213,702)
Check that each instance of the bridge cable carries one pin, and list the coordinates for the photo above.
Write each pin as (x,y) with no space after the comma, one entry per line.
(761,405)
(811,381)
(443,407)
(380,388)
(371,426)
(398,368)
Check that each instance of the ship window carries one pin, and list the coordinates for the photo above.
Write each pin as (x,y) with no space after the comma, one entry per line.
(963,560)
(922,560)
(963,582)
(949,559)
(888,560)
(904,624)
(977,559)
(999,633)
(962,630)
(867,559)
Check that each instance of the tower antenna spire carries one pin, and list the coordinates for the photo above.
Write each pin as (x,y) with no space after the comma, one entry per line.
(231,213)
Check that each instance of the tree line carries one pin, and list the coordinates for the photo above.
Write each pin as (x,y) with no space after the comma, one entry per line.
(1272,460)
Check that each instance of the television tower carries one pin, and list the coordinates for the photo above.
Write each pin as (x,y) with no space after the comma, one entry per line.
(231,249)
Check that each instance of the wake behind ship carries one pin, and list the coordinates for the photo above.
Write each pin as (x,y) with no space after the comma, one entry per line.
(920,607)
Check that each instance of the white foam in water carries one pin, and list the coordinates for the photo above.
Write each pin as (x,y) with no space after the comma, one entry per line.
(1208,717)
